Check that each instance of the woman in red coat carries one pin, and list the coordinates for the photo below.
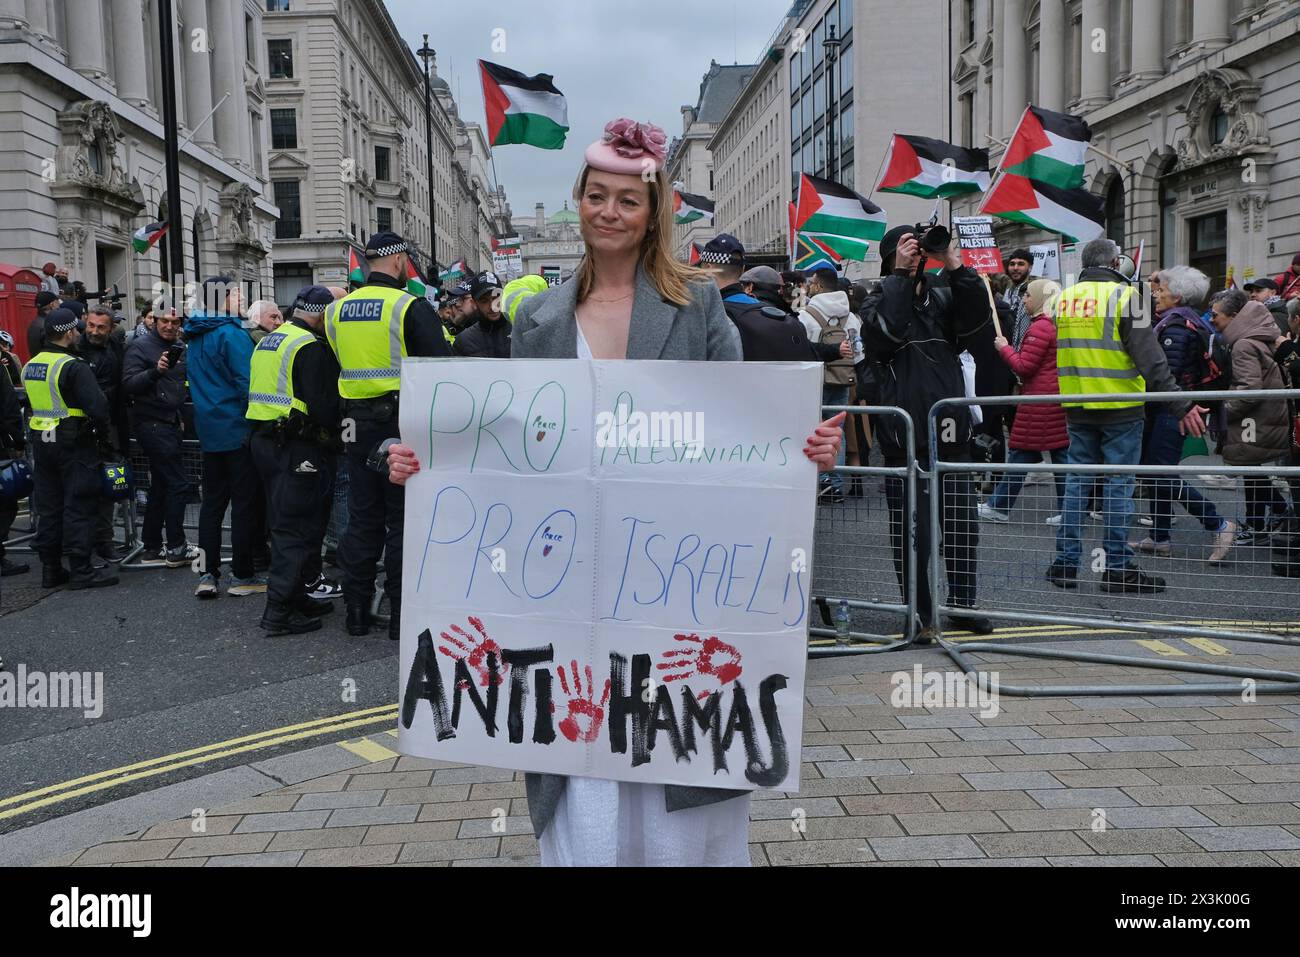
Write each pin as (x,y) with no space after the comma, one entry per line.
(1037,428)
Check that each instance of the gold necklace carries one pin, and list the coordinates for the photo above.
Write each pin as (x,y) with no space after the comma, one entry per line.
(619,299)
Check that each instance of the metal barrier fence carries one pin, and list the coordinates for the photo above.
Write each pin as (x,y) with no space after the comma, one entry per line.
(851,566)
(1199,601)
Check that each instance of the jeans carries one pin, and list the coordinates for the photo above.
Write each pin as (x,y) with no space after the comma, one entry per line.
(835,395)
(959,542)
(1004,496)
(1118,444)
(1165,447)
(1262,500)
(230,480)
(168,487)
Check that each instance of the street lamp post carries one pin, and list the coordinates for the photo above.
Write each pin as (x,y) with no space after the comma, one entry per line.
(832,45)
(426,54)
(171,150)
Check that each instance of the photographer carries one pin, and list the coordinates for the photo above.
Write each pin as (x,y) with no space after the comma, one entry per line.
(153,379)
(913,330)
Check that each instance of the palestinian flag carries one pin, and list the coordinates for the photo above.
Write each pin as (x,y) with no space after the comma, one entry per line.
(811,253)
(1074,213)
(358,268)
(920,166)
(455,272)
(414,281)
(688,208)
(142,239)
(695,254)
(1048,147)
(523,109)
(843,221)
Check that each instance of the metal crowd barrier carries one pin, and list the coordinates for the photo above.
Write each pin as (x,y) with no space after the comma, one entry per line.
(1151,614)
(850,538)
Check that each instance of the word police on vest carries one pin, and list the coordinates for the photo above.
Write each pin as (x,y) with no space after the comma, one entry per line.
(75,910)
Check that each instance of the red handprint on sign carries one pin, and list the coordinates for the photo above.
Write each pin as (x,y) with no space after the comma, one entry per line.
(712,659)
(584,705)
(473,651)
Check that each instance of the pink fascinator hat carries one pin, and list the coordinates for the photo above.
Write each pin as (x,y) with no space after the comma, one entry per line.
(628,147)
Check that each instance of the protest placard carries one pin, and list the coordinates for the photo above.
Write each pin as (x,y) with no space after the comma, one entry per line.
(1047,261)
(979,249)
(606,567)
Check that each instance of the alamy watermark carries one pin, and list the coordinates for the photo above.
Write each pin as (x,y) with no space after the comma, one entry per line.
(78,690)
(624,428)
(945,689)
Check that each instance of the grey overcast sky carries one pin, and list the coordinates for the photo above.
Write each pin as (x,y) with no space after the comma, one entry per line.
(610,58)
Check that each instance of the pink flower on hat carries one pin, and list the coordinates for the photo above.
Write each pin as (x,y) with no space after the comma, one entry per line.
(633,140)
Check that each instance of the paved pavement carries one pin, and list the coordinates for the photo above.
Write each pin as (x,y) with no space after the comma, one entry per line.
(1048,781)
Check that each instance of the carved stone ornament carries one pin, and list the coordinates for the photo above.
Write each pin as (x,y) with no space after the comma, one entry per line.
(73,240)
(237,203)
(1253,207)
(89,127)
(1236,93)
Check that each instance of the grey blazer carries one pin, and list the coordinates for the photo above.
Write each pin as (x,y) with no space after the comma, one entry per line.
(545,328)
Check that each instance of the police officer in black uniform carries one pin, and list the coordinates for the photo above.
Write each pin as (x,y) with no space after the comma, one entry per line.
(70,430)
(355,326)
(293,403)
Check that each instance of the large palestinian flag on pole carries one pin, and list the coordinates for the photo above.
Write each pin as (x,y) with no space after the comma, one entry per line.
(1048,147)
(920,166)
(1074,213)
(843,221)
(358,267)
(523,109)
(689,208)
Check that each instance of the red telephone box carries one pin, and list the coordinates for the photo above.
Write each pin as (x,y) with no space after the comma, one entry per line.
(18,289)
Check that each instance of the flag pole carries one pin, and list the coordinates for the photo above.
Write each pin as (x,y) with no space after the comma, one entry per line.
(993,306)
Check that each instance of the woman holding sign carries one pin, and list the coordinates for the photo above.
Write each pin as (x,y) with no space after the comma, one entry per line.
(630,299)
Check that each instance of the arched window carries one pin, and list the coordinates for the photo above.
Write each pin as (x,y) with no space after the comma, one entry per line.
(1115,210)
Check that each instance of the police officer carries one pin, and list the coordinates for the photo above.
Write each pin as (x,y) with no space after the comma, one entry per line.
(70,428)
(293,404)
(370,331)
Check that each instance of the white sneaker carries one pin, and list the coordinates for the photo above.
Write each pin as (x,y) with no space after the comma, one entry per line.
(990,514)
(1053,520)
(1146,520)
(1096,516)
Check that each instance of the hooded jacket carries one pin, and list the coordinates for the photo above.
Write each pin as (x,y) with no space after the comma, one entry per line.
(487,338)
(914,343)
(219,353)
(1250,336)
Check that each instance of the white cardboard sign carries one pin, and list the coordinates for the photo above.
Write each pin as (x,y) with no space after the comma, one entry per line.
(606,567)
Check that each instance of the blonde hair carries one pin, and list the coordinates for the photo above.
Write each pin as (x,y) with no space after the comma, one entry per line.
(669,276)
(1041,296)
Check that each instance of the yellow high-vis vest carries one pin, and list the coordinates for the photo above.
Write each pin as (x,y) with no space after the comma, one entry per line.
(366,330)
(41,382)
(1090,356)
(270,376)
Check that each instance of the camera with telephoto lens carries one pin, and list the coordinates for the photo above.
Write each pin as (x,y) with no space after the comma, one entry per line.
(933,239)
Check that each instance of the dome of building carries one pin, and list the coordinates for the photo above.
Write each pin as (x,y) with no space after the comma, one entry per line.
(565,215)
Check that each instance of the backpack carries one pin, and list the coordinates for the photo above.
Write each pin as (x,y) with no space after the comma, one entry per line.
(837,371)
(1216,359)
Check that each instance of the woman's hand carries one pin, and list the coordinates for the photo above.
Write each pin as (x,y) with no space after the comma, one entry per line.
(823,446)
(1000,342)
(402,464)
(846,349)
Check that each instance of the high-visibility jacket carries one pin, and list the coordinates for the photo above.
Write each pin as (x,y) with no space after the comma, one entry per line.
(1090,356)
(41,382)
(366,329)
(270,375)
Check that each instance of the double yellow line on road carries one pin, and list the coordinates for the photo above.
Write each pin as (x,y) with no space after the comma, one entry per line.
(102,780)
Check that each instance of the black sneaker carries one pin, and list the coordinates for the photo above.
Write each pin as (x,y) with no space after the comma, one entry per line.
(1062,575)
(110,552)
(324,589)
(977,624)
(8,568)
(1252,536)
(829,495)
(1131,581)
(180,556)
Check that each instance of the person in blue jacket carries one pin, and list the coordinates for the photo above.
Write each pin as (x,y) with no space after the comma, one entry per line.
(219,353)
